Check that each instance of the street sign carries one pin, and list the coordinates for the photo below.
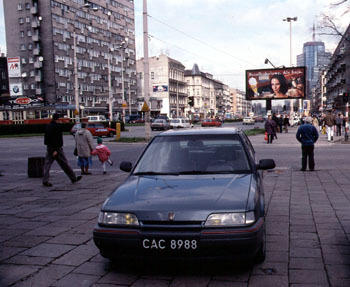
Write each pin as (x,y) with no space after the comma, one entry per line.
(124,104)
(14,67)
(23,101)
(145,107)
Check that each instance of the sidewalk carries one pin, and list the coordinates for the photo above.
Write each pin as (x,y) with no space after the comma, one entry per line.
(46,237)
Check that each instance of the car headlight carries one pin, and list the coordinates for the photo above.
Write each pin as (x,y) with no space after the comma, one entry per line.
(230,219)
(114,218)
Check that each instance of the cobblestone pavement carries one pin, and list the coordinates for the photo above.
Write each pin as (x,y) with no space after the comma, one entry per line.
(46,237)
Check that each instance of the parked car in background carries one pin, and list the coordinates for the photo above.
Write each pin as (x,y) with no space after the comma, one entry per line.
(131,119)
(180,123)
(259,119)
(211,123)
(192,193)
(97,118)
(160,124)
(248,121)
(96,129)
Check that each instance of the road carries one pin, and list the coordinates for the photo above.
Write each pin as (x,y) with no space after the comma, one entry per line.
(46,232)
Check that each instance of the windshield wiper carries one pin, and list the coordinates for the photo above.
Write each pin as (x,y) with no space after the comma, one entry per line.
(155,173)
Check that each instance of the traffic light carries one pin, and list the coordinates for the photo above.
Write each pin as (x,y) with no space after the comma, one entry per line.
(191,101)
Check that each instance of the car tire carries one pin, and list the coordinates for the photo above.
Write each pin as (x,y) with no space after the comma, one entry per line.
(261,254)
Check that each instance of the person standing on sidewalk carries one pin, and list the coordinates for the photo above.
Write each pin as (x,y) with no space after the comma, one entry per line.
(330,122)
(83,140)
(307,135)
(339,122)
(286,123)
(270,128)
(53,139)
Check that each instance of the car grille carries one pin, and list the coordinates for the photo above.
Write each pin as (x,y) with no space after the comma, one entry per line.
(171,225)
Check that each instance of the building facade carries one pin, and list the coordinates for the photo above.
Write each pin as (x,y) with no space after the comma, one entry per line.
(74,56)
(167,86)
(338,75)
(241,107)
(314,58)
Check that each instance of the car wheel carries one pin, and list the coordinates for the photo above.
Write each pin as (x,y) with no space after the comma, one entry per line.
(261,254)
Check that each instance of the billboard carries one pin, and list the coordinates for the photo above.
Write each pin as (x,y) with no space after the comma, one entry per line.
(160,88)
(280,83)
(14,67)
(16,89)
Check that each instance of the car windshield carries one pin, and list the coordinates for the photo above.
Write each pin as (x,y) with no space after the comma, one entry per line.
(194,154)
(175,121)
(159,121)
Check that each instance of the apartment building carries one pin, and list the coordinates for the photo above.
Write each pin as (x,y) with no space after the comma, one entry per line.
(168,95)
(71,56)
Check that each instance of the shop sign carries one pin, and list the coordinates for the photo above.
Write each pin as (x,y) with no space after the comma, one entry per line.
(23,101)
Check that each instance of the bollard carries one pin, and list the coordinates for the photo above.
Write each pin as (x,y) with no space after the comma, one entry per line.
(117,134)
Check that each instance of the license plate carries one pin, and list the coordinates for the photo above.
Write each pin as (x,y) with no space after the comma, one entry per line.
(169,244)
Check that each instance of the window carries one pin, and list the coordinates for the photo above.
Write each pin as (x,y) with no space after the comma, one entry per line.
(19,6)
(29,33)
(31,61)
(22,34)
(27,19)
(30,46)
(21,20)
(23,47)
(27,6)
(23,60)
(152,75)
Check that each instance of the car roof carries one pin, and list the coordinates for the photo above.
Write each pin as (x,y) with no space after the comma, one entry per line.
(201,131)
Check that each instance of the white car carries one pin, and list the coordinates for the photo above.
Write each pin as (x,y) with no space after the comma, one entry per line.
(180,123)
(248,121)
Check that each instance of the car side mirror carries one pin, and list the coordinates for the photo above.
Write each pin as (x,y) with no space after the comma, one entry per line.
(126,166)
(266,164)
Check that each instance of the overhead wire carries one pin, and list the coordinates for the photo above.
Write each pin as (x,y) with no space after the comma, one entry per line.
(200,41)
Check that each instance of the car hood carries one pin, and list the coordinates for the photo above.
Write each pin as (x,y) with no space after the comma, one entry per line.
(190,197)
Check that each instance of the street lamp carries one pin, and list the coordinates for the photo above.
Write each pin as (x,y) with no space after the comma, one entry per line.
(290,19)
(268,61)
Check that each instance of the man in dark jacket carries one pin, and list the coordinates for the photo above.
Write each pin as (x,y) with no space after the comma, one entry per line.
(54,141)
(307,135)
(270,129)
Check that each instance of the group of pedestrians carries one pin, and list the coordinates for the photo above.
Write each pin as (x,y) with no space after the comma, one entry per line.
(84,149)
(274,124)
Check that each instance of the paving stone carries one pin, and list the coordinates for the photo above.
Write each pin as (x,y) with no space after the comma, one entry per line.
(306,263)
(9,252)
(48,250)
(47,231)
(77,280)
(26,241)
(217,283)
(307,276)
(93,268)
(118,278)
(47,276)
(28,260)
(151,283)
(193,281)
(70,238)
(268,281)
(271,268)
(277,256)
(9,274)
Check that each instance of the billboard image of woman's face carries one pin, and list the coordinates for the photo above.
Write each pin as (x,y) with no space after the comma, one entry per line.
(284,83)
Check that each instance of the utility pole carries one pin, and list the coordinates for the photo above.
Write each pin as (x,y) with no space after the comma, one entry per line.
(146,71)
(290,19)
(76,88)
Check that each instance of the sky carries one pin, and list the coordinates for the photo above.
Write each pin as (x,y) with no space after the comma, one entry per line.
(227,37)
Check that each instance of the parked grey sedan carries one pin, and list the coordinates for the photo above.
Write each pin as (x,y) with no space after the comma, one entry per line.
(195,193)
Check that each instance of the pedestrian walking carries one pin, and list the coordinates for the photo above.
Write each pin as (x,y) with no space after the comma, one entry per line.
(307,135)
(275,119)
(280,123)
(339,122)
(330,123)
(315,122)
(53,140)
(103,154)
(270,128)
(84,144)
(285,123)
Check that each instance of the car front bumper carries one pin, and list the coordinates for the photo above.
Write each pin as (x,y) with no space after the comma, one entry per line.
(211,243)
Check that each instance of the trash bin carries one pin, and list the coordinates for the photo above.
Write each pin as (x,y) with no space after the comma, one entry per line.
(36,166)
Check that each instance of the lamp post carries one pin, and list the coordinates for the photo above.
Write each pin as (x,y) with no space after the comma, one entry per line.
(122,49)
(290,19)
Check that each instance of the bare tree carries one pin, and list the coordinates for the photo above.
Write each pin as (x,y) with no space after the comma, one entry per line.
(327,24)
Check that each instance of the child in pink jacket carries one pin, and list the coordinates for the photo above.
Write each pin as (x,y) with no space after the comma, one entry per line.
(103,154)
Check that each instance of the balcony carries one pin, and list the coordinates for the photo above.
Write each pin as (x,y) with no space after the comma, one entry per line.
(35,38)
(38,65)
(34,10)
(36,51)
(35,24)
(37,78)
(38,91)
